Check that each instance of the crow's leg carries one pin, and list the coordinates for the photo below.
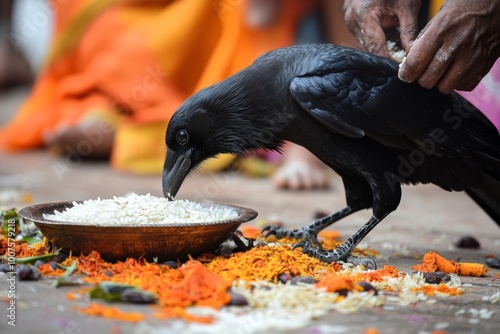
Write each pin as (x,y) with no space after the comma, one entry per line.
(358,196)
(343,252)
(310,232)
(386,199)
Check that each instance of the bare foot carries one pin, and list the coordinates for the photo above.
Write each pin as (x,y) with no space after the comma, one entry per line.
(300,170)
(89,140)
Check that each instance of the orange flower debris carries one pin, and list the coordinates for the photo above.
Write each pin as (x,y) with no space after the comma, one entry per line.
(432,262)
(179,312)
(430,290)
(24,249)
(194,284)
(3,245)
(377,275)
(334,282)
(205,280)
(250,231)
(265,263)
(109,312)
(371,331)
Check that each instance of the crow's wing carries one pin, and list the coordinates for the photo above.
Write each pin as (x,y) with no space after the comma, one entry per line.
(360,95)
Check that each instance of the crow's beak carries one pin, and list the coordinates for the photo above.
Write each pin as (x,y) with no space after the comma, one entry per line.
(175,169)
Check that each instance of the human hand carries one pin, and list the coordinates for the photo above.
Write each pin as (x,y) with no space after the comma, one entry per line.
(367,20)
(457,48)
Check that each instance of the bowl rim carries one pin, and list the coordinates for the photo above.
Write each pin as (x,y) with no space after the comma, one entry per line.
(34,213)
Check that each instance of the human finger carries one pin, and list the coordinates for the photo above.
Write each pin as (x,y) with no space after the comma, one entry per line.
(374,39)
(438,65)
(408,25)
(419,56)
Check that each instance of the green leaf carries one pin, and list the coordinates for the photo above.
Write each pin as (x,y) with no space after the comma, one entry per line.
(69,270)
(10,214)
(109,291)
(118,292)
(32,259)
(6,216)
(33,239)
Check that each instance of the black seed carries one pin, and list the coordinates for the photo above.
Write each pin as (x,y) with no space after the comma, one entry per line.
(61,257)
(5,267)
(367,287)
(38,263)
(467,241)
(492,262)
(53,265)
(27,273)
(138,297)
(343,292)
(285,277)
(171,264)
(303,279)
(436,278)
(237,299)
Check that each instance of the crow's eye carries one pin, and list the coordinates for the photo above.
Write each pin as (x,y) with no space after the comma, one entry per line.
(182,137)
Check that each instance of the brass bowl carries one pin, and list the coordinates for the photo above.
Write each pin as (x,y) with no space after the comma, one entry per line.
(162,241)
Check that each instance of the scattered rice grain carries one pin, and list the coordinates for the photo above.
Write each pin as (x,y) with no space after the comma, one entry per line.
(494,298)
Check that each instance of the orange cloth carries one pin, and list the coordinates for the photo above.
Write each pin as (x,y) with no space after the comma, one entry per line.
(434,6)
(139,60)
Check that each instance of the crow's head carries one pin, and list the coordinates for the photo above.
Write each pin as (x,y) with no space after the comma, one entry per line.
(230,117)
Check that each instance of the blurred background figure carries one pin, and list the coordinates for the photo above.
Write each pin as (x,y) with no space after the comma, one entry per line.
(116,71)
(18,63)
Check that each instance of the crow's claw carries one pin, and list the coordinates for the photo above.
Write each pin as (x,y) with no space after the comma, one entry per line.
(300,244)
(267,228)
(367,262)
(240,244)
(338,254)
(275,230)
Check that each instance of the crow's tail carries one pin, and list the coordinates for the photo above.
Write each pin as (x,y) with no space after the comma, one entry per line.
(486,191)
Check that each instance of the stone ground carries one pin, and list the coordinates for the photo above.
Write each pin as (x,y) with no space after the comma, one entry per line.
(427,219)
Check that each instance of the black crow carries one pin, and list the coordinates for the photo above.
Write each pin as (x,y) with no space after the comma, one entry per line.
(350,109)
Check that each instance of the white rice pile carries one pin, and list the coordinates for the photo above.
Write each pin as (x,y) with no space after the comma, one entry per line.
(141,210)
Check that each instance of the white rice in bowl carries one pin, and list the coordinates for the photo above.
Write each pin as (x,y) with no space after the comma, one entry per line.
(140,210)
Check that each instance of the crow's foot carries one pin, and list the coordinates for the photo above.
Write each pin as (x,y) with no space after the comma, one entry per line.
(367,262)
(240,244)
(310,232)
(304,233)
(342,253)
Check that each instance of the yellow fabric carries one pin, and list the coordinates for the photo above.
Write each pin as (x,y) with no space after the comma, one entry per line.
(434,6)
(139,59)
(218,163)
(146,142)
